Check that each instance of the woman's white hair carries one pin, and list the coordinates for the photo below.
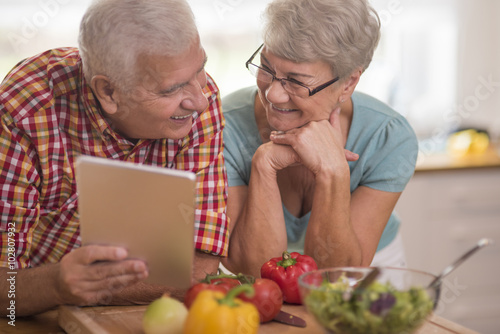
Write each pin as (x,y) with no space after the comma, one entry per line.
(343,33)
(114,33)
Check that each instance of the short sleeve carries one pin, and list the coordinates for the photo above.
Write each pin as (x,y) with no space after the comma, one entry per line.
(390,157)
(237,173)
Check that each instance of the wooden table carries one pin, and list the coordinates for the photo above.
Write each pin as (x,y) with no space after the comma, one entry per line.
(127,319)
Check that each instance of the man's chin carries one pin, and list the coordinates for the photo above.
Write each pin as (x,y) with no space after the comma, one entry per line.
(178,133)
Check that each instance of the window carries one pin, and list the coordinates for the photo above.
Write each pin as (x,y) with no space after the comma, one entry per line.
(414,69)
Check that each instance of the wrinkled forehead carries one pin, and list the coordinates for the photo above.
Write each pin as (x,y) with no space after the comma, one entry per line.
(171,68)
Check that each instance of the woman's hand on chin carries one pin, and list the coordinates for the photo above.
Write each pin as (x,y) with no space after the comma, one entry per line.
(316,145)
(272,157)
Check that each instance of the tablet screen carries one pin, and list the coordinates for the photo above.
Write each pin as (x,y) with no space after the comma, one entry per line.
(148,210)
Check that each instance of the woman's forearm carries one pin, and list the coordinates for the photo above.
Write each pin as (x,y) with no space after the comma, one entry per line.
(330,237)
(259,233)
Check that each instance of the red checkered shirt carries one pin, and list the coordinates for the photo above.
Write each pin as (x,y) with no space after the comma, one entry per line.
(49,116)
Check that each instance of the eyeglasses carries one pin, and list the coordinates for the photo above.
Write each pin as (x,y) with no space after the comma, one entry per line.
(291,86)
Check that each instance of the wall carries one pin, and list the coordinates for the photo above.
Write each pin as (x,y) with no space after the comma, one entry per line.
(478,88)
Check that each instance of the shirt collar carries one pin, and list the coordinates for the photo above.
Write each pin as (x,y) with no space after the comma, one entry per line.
(93,108)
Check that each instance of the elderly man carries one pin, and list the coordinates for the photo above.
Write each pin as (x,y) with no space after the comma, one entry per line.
(136,90)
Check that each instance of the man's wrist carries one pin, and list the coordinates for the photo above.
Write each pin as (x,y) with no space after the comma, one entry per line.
(54,284)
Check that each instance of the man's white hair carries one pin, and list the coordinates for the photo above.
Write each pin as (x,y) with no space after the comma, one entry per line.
(114,33)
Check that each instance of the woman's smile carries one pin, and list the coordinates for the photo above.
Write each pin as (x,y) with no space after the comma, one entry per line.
(283,110)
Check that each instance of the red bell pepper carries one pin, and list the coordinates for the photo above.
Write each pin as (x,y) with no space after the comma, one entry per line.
(285,271)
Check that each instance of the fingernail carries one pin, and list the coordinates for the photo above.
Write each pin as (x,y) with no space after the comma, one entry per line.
(142,275)
(138,267)
(121,253)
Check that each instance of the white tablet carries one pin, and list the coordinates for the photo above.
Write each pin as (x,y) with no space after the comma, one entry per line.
(148,210)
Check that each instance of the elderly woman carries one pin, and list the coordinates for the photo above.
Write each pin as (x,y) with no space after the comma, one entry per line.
(294,180)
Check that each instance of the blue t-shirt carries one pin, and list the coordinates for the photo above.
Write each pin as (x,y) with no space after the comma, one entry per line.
(385,142)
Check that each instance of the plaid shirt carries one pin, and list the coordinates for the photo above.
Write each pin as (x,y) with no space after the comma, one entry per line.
(49,116)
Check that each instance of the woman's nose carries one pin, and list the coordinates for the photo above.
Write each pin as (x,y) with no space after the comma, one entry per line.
(276,93)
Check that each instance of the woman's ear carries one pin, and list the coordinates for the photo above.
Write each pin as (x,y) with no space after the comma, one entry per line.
(105,93)
(350,84)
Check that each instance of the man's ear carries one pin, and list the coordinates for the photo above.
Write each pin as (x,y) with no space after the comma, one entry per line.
(105,93)
(350,84)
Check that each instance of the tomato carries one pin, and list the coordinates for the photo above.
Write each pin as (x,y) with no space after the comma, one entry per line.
(267,298)
(221,282)
(197,288)
(225,282)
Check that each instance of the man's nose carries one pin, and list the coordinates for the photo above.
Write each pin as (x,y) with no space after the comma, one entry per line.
(194,98)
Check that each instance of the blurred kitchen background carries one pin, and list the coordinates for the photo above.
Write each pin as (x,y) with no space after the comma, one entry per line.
(438,64)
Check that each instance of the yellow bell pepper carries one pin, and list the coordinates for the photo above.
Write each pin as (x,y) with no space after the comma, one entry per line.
(214,312)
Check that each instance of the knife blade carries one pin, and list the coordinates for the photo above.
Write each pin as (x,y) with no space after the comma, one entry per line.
(290,319)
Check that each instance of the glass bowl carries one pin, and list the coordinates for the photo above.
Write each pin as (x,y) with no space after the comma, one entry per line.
(398,301)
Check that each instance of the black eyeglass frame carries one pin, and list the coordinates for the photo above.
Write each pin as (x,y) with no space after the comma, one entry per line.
(311,92)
